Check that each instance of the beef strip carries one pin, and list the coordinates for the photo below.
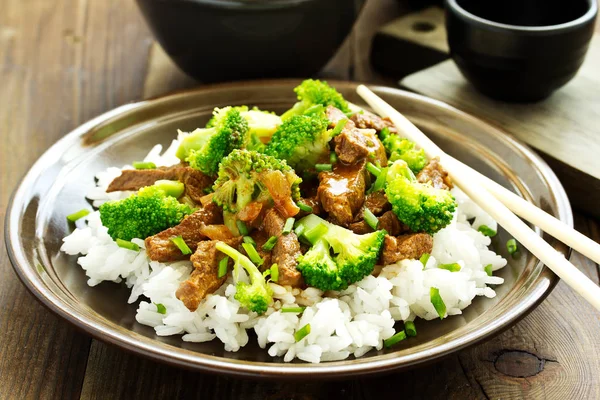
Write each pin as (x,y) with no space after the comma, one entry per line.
(286,250)
(342,191)
(353,145)
(369,120)
(387,221)
(204,279)
(435,174)
(409,246)
(134,179)
(160,248)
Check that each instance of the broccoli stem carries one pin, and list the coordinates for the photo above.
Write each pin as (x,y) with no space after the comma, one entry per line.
(240,259)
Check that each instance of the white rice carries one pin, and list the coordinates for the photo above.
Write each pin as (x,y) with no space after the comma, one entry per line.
(351,322)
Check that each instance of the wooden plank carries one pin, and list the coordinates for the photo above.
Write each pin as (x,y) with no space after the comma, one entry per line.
(61,63)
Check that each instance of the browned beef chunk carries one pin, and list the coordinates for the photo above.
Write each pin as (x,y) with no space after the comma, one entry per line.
(204,279)
(353,145)
(342,191)
(377,202)
(160,248)
(195,181)
(435,174)
(387,221)
(335,115)
(409,246)
(368,120)
(286,250)
(312,202)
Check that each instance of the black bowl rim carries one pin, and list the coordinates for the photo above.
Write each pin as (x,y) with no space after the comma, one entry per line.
(253,5)
(590,15)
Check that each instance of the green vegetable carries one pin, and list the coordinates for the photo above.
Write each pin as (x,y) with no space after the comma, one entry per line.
(511,246)
(171,188)
(127,245)
(323,167)
(398,337)
(289,225)
(399,148)
(77,215)
(488,269)
(274,272)
(143,214)
(454,267)
(181,245)
(333,157)
(160,308)
(409,327)
(487,231)
(438,303)
(338,256)
(249,240)
(292,309)
(223,267)
(256,295)
(144,165)
(419,205)
(370,219)
(424,258)
(339,127)
(302,333)
(315,92)
(373,169)
(299,230)
(242,227)
(253,254)
(305,207)
(269,244)
(205,148)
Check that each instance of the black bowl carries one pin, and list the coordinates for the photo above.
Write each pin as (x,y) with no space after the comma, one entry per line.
(519,50)
(213,40)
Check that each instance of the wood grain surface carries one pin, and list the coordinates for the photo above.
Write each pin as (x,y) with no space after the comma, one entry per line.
(63,62)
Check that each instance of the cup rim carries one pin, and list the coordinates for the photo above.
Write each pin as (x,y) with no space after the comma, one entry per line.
(590,14)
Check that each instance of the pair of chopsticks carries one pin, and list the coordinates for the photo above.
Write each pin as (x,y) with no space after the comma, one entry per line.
(498,202)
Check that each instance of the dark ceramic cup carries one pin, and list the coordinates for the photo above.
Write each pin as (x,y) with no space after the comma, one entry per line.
(218,40)
(519,50)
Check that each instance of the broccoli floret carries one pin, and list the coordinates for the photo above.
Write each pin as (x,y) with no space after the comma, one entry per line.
(247,176)
(314,92)
(262,124)
(302,140)
(419,205)
(338,257)
(205,148)
(142,214)
(399,148)
(255,296)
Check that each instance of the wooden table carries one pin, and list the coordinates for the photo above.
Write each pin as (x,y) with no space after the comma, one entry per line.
(64,62)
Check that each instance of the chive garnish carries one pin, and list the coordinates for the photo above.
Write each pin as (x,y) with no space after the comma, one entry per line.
(292,309)
(266,273)
(315,233)
(370,219)
(437,301)
(424,258)
(454,267)
(339,127)
(242,227)
(488,269)
(274,272)
(181,245)
(144,165)
(248,239)
(398,337)
(373,169)
(269,244)
(305,207)
(511,246)
(323,167)
(125,244)
(487,231)
(302,333)
(333,157)
(252,253)
(223,267)
(379,183)
(77,215)
(289,225)
(409,327)
(160,308)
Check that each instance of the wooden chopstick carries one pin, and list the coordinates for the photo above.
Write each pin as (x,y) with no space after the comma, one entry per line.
(483,193)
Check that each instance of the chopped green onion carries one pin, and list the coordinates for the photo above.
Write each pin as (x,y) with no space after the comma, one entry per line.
(77,215)
(292,309)
(380,181)
(302,333)
(373,169)
(305,207)
(289,225)
(181,245)
(315,233)
(487,231)
(333,157)
(171,188)
(160,308)
(323,167)
(409,327)
(454,267)
(437,301)
(127,245)
(398,337)
(223,267)
(488,269)
(339,127)
(370,219)
(424,258)
(274,272)
(248,239)
(269,244)
(299,230)
(266,273)
(511,246)
(242,227)
(144,165)
(252,253)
